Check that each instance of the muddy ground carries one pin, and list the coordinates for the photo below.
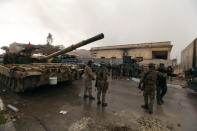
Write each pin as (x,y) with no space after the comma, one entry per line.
(40,109)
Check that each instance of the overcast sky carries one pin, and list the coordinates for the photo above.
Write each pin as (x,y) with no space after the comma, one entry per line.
(122,21)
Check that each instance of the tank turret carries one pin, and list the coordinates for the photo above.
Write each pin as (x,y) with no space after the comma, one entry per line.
(75,46)
(22,54)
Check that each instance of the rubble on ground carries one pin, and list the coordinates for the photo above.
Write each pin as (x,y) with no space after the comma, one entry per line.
(144,123)
(178,81)
(80,125)
(88,124)
(13,108)
(154,124)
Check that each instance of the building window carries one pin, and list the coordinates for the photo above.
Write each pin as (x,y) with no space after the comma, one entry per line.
(102,57)
(160,55)
(113,57)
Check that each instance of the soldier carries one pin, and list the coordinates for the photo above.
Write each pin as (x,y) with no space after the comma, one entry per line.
(88,77)
(121,67)
(118,72)
(113,71)
(161,85)
(102,83)
(149,82)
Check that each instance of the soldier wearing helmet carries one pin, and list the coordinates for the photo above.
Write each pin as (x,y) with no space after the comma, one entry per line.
(102,83)
(149,82)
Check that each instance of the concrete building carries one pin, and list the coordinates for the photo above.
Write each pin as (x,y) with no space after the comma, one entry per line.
(146,51)
(81,53)
(189,56)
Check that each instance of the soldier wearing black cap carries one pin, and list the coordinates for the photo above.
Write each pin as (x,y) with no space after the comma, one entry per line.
(149,82)
(161,85)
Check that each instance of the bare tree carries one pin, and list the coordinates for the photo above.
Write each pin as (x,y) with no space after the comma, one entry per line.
(5,48)
(49,39)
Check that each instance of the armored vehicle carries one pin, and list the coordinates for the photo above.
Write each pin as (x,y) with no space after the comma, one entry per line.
(21,71)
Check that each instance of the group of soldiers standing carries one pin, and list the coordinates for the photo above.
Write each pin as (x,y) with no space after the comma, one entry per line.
(124,70)
(102,83)
(153,80)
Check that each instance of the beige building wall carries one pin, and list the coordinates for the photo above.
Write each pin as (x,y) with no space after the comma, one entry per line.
(108,53)
(134,50)
(145,53)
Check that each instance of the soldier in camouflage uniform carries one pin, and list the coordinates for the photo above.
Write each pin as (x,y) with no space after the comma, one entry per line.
(121,71)
(88,77)
(118,71)
(149,80)
(102,84)
(113,71)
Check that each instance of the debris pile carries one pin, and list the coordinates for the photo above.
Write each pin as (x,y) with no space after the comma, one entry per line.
(63,112)
(80,125)
(153,124)
(2,105)
(12,108)
(89,124)
(7,114)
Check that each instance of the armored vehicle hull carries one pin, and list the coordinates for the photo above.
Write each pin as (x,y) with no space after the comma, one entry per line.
(21,77)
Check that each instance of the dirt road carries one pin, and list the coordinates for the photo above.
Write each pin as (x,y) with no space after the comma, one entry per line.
(39,109)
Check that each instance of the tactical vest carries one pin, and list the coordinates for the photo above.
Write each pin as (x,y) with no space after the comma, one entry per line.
(151,77)
(102,74)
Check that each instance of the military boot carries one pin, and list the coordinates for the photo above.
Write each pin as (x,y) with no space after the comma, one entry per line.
(91,98)
(150,108)
(98,102)
(144,107)
(85,96)
(159,103)
(104,104)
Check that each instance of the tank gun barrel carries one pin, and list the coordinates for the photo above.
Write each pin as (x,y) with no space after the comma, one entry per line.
(75,46)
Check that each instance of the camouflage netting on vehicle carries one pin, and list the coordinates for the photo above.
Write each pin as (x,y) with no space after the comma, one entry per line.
(20,77)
